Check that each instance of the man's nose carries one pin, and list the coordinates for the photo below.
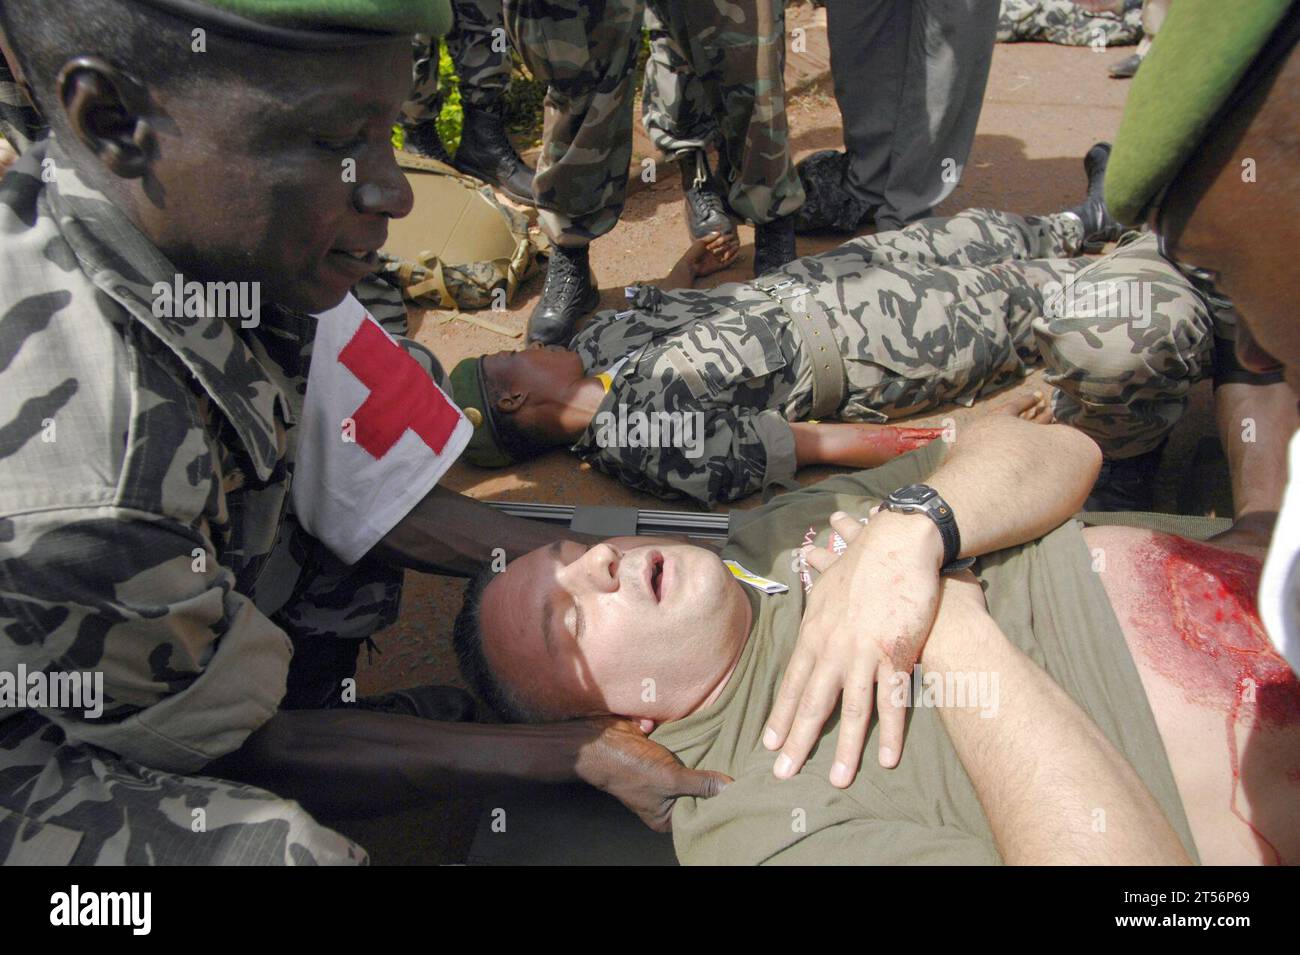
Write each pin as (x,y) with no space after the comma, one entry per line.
(385,192)
(600,566)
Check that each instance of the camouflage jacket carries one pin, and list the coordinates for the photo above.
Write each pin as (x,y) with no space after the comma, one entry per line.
(145,466)
(939,312)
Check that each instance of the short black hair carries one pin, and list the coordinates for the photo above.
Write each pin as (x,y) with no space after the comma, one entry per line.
(467,638)
(520,443)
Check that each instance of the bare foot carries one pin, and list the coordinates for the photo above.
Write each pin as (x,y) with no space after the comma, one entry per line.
(1033,407)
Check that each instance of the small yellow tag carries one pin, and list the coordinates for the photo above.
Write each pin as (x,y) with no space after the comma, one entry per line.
(753,580)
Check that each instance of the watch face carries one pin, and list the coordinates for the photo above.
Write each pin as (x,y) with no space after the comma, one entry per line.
(913,494)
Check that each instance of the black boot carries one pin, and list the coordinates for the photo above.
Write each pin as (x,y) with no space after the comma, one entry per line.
(828,203)
(773,244)
(445,704)
(423,140)
(486,153)
(1099,227)
(1126,68)
(706,212)
(569,293)
(1128,484)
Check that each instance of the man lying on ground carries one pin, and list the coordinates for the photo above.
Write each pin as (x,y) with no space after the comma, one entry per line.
(1116,703)
(709,393)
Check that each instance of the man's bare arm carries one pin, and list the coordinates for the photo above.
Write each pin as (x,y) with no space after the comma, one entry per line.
(1042,770)
(349,763)
(449,533)
(1255,422)
(1008,481)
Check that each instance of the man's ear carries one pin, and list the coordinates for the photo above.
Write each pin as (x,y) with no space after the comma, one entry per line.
(101,105)
(511,401)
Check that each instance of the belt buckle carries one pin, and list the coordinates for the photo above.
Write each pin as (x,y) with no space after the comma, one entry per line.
(792,288)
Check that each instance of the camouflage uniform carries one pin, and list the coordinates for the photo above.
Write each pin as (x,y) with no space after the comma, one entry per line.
(710,84)
(1064,22)
(481,59)
(946,310)
(586,53)
(20,124)
(146,534)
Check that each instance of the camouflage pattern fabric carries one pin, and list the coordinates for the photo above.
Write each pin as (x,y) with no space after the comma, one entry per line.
(720,81)
(479,54)
(1066,23)
(20,124)
(146,534)
(586,53)
(946,310)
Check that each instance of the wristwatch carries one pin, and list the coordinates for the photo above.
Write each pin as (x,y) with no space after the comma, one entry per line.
(923,499)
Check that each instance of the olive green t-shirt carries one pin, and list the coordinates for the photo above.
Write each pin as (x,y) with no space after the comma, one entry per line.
(1046,599)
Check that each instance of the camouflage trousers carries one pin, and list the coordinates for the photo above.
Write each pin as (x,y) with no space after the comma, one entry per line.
(950,309)
(1066,23)
(20,124)
(66,804)
(63,802)
(481,55)
(586,53)
(723,85)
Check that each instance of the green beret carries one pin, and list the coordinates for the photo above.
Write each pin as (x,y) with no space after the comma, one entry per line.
(485,447)
(1203,50)
(315,23)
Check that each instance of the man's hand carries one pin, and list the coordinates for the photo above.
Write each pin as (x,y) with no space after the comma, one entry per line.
(641,774)
(8,156)
(867,619)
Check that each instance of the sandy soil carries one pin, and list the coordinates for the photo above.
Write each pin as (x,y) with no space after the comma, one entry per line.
(1044,107)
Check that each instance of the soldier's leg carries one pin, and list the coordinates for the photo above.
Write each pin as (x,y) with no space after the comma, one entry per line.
(972,237)
(70,804)
(1123,347)
(586,54)
(950,49)
(481,52)
(421,110)
(674,111)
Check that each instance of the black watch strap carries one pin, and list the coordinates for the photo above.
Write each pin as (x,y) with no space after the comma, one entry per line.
(921,498)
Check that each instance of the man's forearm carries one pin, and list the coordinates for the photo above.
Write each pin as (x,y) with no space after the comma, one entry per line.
(1009,481)
(346,763)
(1054,789)
(1255,424)
(449,533)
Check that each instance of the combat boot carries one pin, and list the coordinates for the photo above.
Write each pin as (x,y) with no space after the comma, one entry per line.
(829,204)
(706,211)
(773,244)
(569,293)
(1099,226)
(486,153)
(423,140)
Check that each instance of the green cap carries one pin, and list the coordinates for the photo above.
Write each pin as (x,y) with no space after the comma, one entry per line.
(314,23)
(485,447)
(1203,50)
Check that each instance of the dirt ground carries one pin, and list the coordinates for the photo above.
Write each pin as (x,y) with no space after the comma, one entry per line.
(1045,105)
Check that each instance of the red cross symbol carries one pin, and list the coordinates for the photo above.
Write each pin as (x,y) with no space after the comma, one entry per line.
(402,396)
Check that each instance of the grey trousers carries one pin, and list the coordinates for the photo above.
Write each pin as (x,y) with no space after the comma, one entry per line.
(909,78)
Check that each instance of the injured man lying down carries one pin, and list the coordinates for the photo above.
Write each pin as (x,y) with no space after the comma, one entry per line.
(1099,695)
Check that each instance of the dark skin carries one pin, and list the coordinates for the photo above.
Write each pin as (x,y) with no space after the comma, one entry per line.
(277,209)
(1212,217)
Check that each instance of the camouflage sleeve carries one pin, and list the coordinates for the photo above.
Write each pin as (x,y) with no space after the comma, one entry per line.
(711,457)
(139,604)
